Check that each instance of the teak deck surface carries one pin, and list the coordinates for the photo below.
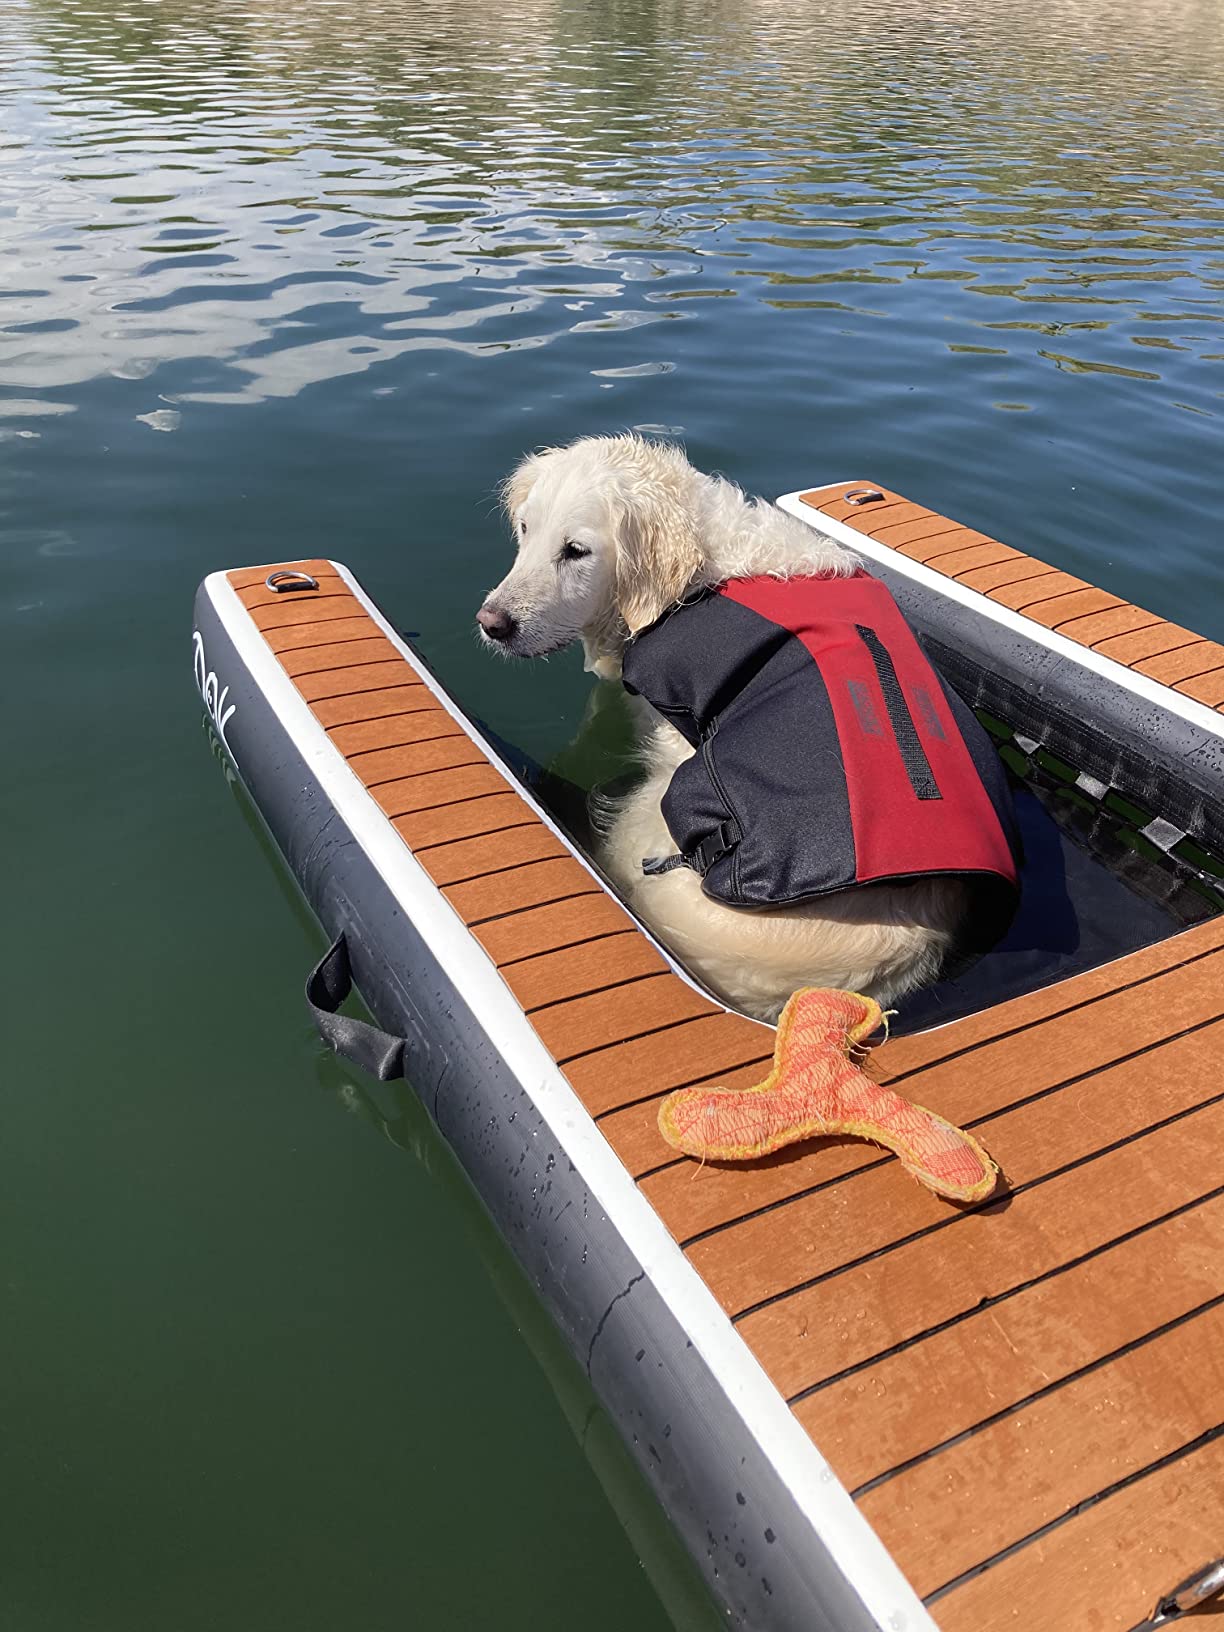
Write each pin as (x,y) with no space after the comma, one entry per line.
(1026,1398)
(1091,617)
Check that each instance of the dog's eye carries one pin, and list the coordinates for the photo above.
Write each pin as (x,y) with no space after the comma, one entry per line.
(522,527)
(572,552)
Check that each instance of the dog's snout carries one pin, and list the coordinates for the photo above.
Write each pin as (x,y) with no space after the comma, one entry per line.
(498,625)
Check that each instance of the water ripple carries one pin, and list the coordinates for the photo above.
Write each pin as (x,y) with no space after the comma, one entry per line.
(1017,206)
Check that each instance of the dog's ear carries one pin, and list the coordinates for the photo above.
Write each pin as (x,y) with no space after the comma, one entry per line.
(658,554)
(519,483)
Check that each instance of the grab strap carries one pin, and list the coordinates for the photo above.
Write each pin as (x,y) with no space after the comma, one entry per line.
(327,986)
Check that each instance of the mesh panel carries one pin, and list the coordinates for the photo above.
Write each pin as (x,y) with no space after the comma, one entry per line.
(1163,838)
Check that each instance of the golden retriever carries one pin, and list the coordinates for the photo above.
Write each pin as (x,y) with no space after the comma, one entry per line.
(611,531)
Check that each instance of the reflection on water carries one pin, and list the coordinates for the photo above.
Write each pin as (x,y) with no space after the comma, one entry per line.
(307,278)
(280,195)
(974,250)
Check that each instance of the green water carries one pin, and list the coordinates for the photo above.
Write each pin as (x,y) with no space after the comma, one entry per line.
(307,279)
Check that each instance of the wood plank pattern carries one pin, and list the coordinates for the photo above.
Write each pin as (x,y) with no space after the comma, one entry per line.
(820,1233)
(1101,626)
(474,858)
(577,971)
(964,1504)
(378,766)
(258,599)
(1063,609)
(690,1052)
(493,813)
(1049,586)
(614,1016)
(534,884)
(1152,641)
(1126,633)
(959,557)
(1104,1570)
(632,1129)
(900,1294)
(906,1055)
(377,703)
(318,631)
(1204,688)
(394,731)
(946,1383)
(1097,1026)
(1199,657)
(551,927)
(350,682)
(1023,570)
(338,655)
(295,611)
(917,535)
(433,788)
(976,1377)
(252,578)
(926,539)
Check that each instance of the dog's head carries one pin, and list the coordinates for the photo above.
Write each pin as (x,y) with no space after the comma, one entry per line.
(607,540)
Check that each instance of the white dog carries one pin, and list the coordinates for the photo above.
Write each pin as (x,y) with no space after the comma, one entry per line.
(612,531)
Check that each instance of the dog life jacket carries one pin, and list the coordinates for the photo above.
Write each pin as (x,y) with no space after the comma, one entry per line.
(829,753)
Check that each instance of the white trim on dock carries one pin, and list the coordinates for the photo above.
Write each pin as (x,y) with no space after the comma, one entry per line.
(825,1504)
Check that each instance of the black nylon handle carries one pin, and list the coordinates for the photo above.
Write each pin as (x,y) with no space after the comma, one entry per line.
(327,986)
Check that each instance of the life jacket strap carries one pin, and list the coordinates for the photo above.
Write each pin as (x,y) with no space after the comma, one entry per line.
(715,845)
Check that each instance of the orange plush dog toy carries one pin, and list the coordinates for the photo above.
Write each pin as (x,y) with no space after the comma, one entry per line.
(816,1087)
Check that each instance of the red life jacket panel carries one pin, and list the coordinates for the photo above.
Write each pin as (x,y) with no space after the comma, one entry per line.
(830,753)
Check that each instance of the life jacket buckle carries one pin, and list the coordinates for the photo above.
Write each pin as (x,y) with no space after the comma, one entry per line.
(701,858)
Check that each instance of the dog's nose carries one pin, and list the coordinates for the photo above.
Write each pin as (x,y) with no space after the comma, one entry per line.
(498,625)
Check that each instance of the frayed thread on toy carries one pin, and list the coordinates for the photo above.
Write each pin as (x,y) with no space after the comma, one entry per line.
(817,1087)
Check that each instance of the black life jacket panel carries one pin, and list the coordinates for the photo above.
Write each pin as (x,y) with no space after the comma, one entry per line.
(829,753)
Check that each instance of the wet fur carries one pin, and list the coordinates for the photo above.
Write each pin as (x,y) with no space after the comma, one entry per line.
(655,529)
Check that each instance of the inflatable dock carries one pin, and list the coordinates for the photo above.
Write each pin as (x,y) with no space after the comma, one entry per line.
(861,1407)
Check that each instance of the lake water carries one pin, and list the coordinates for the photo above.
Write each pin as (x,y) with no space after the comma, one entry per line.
(308,278)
